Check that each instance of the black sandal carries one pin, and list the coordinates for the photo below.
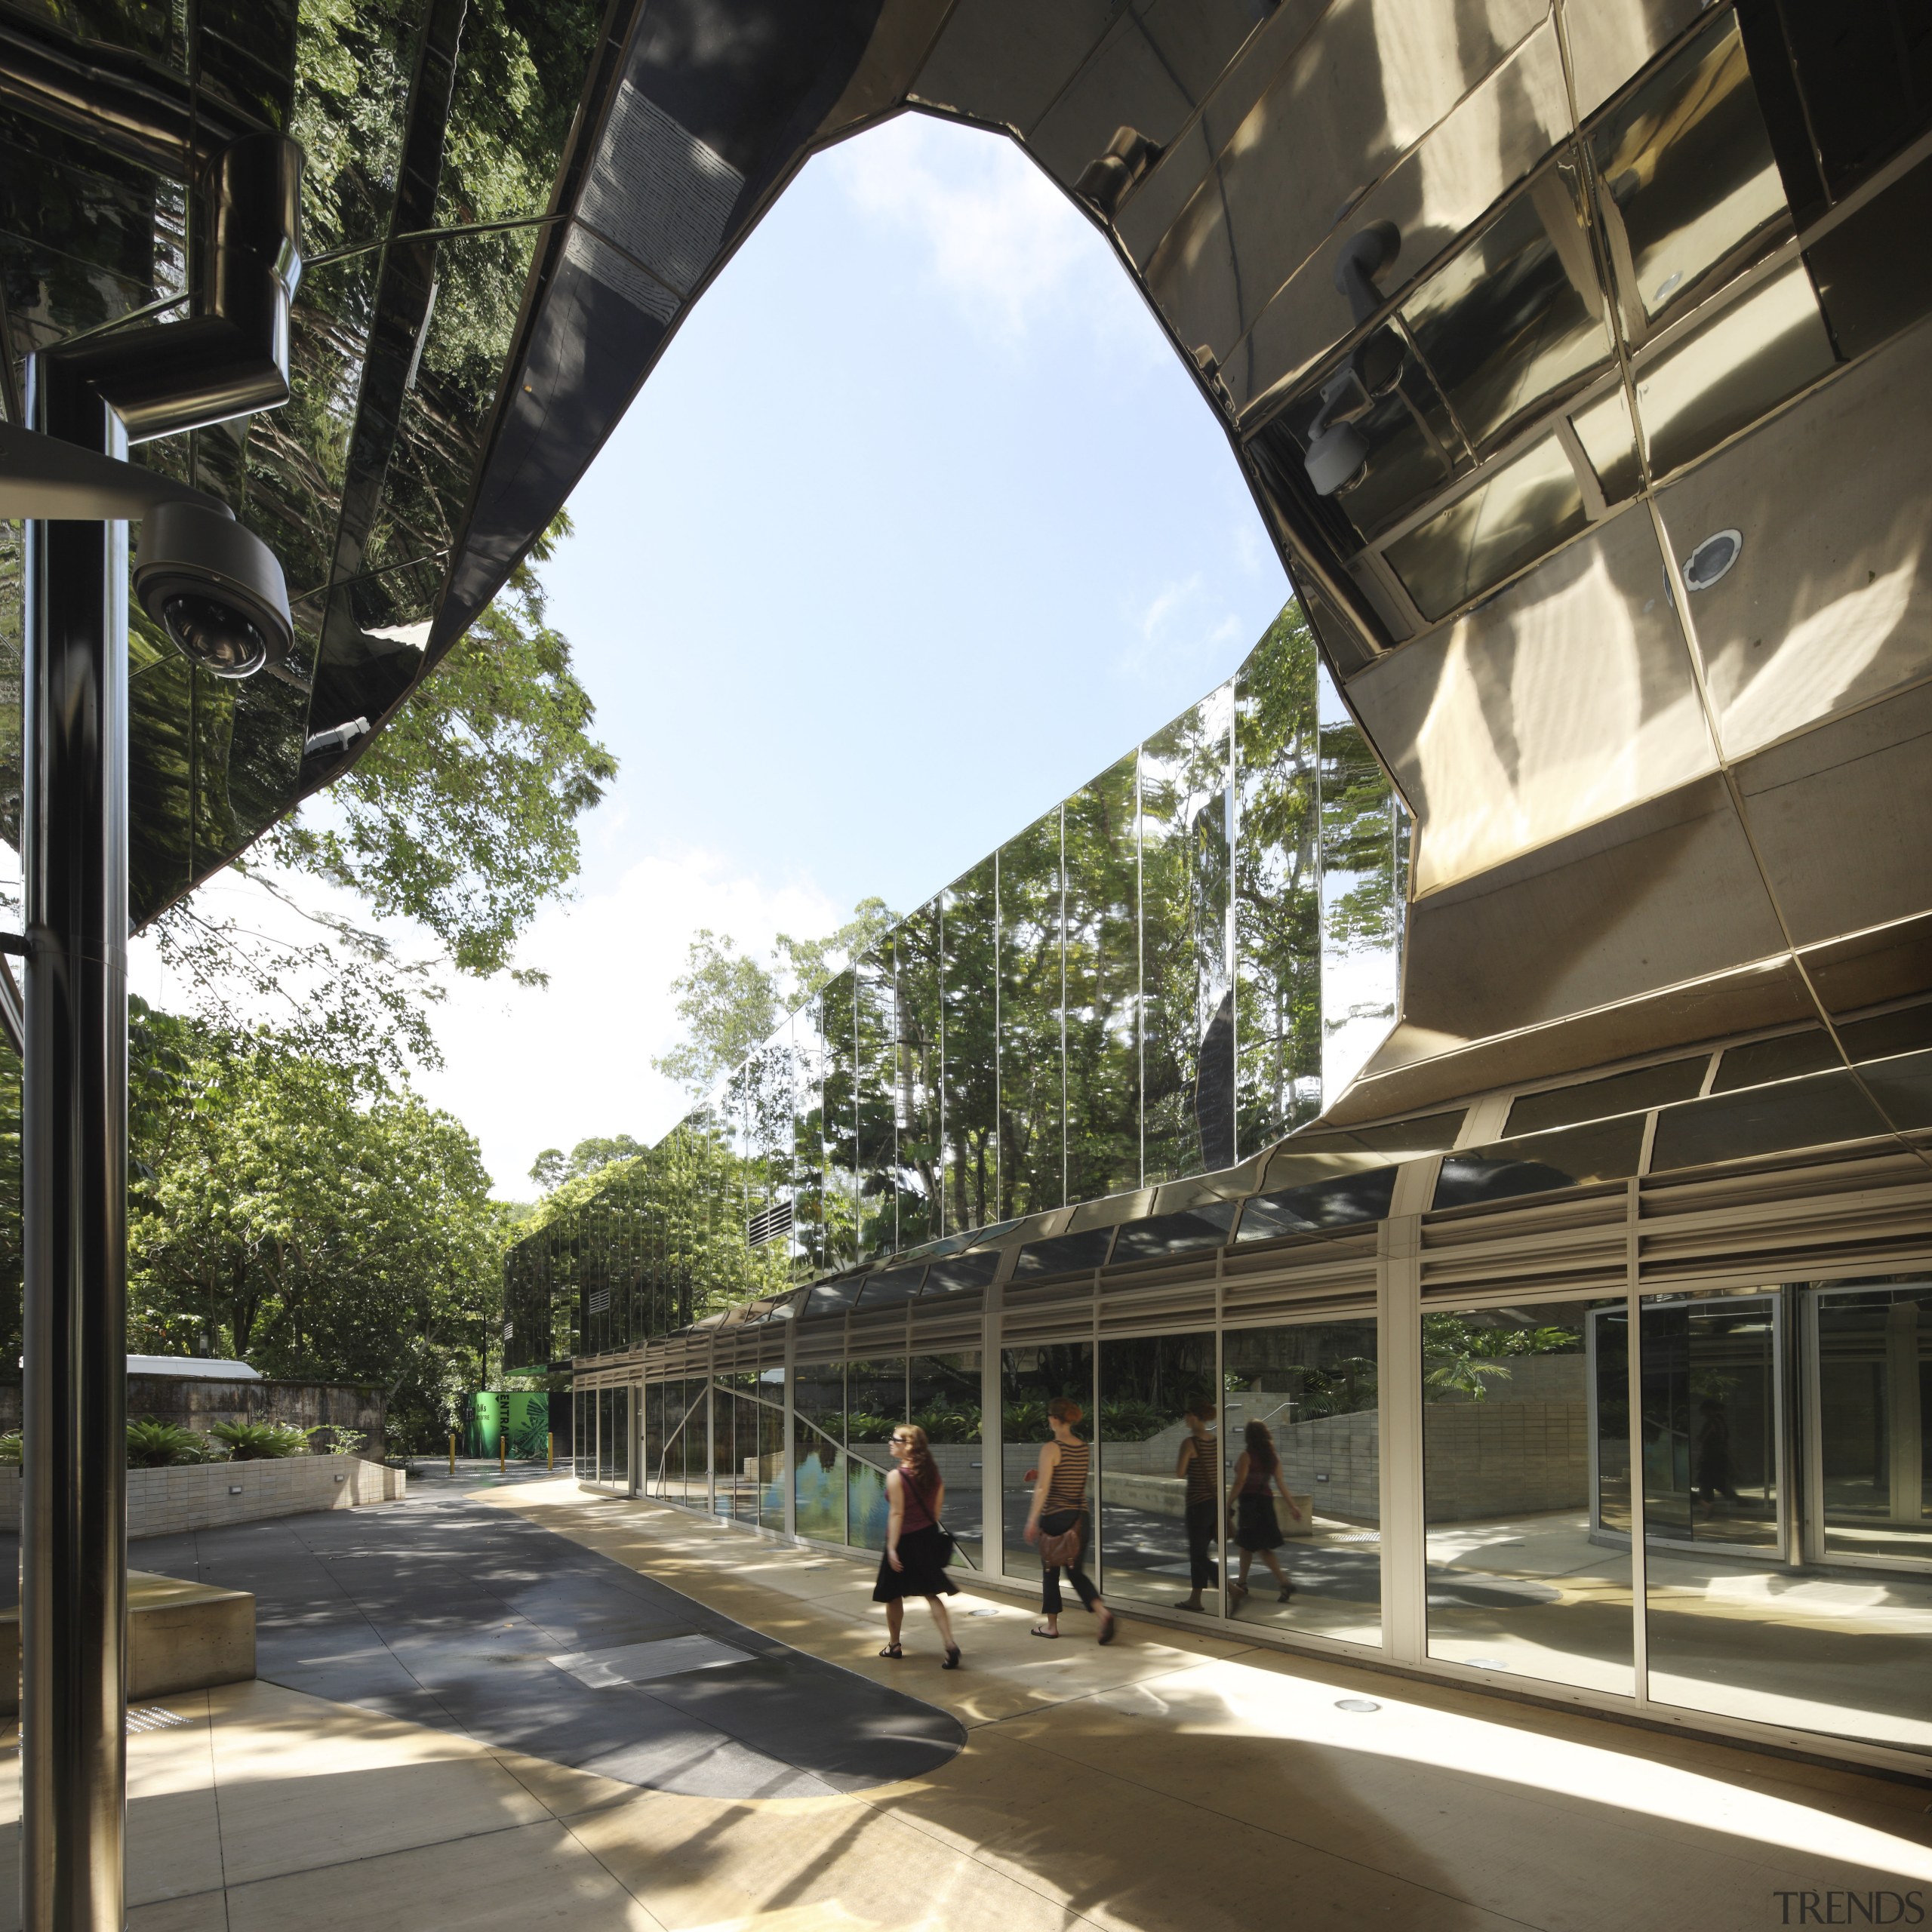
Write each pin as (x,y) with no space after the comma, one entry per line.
(892,1651)
(951,1657)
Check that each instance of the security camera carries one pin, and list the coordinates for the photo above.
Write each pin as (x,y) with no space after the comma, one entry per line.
(215,588)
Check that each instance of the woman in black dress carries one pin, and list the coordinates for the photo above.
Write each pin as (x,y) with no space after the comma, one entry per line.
(912,1564)
(1257,1531)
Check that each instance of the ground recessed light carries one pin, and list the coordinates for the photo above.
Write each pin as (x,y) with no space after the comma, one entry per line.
(983,1613)
(1669,287)
(1485,1663)
(1711,559)
(1356,1704)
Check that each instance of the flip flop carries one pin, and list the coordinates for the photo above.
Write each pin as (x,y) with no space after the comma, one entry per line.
(1041,1630)
(892,1651)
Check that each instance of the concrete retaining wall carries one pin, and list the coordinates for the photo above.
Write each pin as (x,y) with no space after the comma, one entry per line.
(164,1502)
(200,1401)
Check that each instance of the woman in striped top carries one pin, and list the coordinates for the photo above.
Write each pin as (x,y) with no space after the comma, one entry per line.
(1059,1508)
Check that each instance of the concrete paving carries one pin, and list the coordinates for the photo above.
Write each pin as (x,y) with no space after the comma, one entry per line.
(1175,1782)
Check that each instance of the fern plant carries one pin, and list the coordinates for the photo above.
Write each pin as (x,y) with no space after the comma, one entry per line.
(260,1442)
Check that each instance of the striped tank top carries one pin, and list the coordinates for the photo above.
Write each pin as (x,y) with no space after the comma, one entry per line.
(1068,1489)
(1201,1482)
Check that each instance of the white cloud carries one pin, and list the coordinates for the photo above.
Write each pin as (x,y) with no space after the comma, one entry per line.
(527,1069)
(996,232)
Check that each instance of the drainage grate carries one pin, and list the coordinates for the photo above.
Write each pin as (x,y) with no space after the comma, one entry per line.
(151,1717)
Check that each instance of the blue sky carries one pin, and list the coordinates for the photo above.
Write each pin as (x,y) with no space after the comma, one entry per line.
(918,524)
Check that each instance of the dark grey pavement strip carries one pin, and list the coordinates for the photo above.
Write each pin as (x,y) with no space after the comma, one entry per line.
(447,1611)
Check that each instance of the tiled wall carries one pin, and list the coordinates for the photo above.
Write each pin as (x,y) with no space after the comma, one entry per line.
(166,1502)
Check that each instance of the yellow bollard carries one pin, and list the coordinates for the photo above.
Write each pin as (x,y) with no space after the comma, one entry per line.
(550,1448)
(452,1452)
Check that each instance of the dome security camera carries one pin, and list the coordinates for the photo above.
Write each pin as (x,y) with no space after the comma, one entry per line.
(214,587)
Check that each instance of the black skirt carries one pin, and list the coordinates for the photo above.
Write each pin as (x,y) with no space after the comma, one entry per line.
(921,1577)
(1255,1525)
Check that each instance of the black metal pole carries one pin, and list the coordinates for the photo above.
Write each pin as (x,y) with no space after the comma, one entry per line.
(74,1166)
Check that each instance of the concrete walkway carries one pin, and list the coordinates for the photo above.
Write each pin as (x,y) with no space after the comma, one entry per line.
(1172,1783)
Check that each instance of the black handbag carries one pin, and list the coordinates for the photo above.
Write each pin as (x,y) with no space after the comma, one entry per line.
(946,1546)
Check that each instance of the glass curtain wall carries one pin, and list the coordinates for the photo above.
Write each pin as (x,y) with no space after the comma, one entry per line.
(1313,1388)
(875,1391)
(734,1447)
(875,1135)
(1188,1054)
(1032,985)
(1103,997)
(1159,1473)
(1518,1582)
(918,945)
(943,1397)
(818,1450)
(969,1074)
(1029,1379)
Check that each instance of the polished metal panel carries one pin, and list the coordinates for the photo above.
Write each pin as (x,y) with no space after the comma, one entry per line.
(970,1082)
(1276,893)
(1032,1038)
(875,1018)
(1104,966)
(1188,1043)
(918,945)
(1535,1164)
(1496,726)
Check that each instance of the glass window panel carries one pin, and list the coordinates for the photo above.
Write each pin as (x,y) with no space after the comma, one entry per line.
(922,1208)
(1687,179)
(808,1139)
(1903,1087)
(943,1397)
(1875,1423)
(1343,1202)
(1032,1077)
(876,1393)
(834,1297)
(607,1435)
(1784,1058)
(893,1286)
(970,1077)
(1157,1526)
(1188,1045)
(734,1447)
(1736,1622)
(1516,1584)
(1065,1254)
(1726,374)
(839,1017)
(1103,987)
(1313,1387)
(1277,912)
(771,1448)
(1608,435)
(650,1477)
(1361,897)
(818,1450)
(1888,1033)
(962,1273)
(1812,1112)
(1205,1227)
(877,1106)
(621,1436)
(1522,509)
(1029,1379)
(1608,1150)
(1598,1099)
(583,1436)
(1517,314)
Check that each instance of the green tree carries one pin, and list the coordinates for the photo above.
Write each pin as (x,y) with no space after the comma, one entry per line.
(462,814)
(283,1212)
(552,1168)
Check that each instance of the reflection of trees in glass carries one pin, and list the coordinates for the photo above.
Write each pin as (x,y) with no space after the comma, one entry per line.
(1462,1356)
(969,992)
(1277,925)
(1103,987)
(839,1016)
(876,1137)
(807,1139)
(1188,1043)
(1032,1070)
(917,1105)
